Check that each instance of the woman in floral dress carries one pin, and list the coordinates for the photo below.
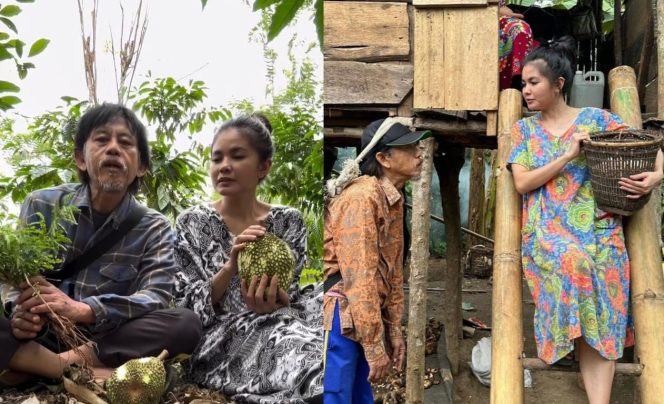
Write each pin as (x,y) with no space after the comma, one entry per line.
(574,256)
(260,344)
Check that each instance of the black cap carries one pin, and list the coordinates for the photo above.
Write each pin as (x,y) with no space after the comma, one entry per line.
(397,135)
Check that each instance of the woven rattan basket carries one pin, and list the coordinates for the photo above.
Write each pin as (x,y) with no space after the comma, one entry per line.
(615,155)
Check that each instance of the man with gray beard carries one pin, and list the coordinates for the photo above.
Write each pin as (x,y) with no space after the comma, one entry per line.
(117,276)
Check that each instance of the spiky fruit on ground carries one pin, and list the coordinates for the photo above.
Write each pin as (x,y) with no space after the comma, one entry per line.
(268,255)
(139,381)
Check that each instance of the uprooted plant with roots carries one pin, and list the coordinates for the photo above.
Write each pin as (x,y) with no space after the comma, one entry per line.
(27,252)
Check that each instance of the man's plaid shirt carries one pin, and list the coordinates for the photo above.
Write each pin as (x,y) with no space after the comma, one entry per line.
(132,278)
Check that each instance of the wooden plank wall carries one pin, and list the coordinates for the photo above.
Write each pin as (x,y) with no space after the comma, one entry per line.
(367,53)
(366,83)
(456,62)
(366,32)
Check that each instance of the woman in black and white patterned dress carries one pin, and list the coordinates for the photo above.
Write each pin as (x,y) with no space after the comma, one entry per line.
(254,348)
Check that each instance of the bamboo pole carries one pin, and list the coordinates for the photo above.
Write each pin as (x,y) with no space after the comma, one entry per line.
(419,262)
(507,333)
(647,282)
(625,96)
(448,168)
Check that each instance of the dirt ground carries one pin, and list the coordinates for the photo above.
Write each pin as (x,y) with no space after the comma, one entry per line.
(549,387)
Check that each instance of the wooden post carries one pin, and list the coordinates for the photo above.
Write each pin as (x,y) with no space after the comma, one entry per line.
(647,282)
(646,54)
(476,193)
(507,333)
(448,168)
(659,27)
(490,202)
(417,295)
(657,13)
(617,32)
(491,123)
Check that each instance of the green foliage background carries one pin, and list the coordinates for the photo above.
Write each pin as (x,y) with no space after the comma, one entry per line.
(43,155)
(12,49)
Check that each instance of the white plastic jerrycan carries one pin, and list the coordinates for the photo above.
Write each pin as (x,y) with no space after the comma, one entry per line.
(587,90)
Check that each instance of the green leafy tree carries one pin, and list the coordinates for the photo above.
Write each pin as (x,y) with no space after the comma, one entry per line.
(296,178)
(44,155)
(176,177)
(12,49)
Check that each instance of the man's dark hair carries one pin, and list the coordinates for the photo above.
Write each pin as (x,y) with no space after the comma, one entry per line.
(101,115)
(371,166)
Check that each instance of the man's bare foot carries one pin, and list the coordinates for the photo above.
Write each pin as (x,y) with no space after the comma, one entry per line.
(11,378)
(101,374)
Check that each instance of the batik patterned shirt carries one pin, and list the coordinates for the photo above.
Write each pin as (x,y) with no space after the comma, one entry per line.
(364,241)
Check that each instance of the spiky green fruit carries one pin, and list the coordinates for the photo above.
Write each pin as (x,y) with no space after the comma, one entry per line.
(139,381)
(267,255)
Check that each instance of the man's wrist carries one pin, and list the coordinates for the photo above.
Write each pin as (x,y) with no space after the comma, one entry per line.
(85,314)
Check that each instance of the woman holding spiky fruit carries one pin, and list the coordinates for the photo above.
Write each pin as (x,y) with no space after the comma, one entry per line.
(262,339)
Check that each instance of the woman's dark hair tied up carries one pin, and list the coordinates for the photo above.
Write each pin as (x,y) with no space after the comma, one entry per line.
(559,57)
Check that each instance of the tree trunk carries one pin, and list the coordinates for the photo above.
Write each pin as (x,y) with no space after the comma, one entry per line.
(417,295)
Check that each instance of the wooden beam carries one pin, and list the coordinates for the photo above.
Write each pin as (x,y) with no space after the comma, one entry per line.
(448,168)
(351,136)
(506,304)
(406,106)
(629,369)
(419,264)
(646,54)
(647,282)
(437,113)
(449,3)
(366,83)
(366,31)
(492,123)
(617,32)
(457,126)
(336,132)
(470,140)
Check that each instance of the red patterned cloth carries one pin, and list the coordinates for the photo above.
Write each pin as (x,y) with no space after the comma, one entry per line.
(516,41)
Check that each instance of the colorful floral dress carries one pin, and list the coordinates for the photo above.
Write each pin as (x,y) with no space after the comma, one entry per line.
(516,42)
(574,256)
